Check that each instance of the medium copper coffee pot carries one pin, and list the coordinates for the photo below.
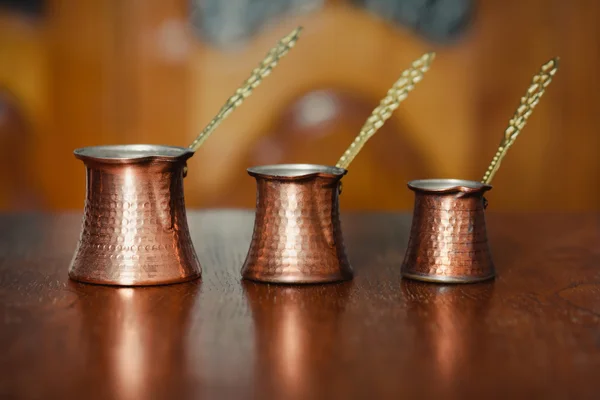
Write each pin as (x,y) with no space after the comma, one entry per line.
(297,231)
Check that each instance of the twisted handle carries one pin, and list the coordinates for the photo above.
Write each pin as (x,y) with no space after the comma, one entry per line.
(397,93)
(515,126)
(258,74)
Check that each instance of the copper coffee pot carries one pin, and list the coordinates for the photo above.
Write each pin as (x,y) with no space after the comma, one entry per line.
(448,238)
(297,232)
(134,229)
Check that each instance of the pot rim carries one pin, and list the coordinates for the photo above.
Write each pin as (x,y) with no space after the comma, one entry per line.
(446,186)
(132,153)
(295,171)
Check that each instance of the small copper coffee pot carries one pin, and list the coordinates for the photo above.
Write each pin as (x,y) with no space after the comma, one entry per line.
(297,231)
(448,238)
(135,228)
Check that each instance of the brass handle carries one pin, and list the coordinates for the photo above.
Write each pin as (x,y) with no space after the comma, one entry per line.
(258,74)
(397,93)
(515,126)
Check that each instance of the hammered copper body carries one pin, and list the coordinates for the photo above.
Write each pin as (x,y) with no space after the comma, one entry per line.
(297,232)
(134,229)
(448,238)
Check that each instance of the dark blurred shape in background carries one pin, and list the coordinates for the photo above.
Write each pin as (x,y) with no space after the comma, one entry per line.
(25,7)
(77,73)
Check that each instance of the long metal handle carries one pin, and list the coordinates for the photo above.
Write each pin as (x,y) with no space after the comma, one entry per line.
(258,74)
(515,126)
(397,93)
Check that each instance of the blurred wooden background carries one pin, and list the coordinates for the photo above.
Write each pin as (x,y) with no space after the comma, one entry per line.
(78,73)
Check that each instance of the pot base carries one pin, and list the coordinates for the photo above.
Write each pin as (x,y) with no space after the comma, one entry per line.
(105,282)
(447,279)
(344,275)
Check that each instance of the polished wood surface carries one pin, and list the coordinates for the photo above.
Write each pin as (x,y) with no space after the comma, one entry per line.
(533,332)
(105,72)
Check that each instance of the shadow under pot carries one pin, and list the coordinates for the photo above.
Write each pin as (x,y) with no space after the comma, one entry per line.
(448,238)
(297,236)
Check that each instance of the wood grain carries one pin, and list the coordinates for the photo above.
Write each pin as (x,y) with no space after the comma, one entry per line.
(532,333)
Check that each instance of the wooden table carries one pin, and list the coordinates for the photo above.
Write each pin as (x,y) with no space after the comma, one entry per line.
(533,332)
